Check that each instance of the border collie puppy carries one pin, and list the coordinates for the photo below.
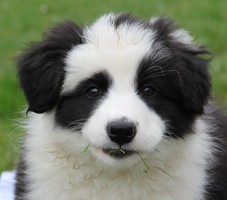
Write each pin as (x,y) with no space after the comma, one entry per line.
(120,110)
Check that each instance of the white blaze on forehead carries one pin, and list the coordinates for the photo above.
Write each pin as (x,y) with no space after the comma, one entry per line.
(104,33)
(115,50)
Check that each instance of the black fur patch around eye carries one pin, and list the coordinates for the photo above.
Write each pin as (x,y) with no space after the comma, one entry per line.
(189,61)
(180,76)
(75,108)
(167,99)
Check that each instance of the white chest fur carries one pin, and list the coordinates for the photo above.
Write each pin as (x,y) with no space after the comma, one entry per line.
(57,170)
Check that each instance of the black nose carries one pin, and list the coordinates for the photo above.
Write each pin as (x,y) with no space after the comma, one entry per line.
(121,132)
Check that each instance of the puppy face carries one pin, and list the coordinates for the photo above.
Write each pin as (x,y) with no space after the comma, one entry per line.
(103,79)
(123,84)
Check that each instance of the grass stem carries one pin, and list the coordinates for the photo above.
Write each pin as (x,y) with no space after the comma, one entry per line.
(86,148)
(144,162)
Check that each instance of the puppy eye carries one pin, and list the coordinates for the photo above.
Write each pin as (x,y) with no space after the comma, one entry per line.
(148,90)
(92,91)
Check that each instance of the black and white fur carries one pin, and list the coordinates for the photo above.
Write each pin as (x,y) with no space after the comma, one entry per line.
(120,110)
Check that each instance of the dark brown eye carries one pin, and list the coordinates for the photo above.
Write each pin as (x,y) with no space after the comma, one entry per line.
(92,91)
(148,91)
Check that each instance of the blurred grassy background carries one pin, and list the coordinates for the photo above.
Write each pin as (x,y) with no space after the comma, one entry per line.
(23,21)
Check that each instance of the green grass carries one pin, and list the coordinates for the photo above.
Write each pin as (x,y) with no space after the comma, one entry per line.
(23,21)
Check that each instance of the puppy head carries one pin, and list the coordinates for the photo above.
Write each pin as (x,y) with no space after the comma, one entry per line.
(123,84)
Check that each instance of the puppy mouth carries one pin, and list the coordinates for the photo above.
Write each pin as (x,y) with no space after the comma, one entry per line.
(119,153)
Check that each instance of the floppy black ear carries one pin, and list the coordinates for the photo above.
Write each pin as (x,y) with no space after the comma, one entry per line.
(187,59)
(41,67)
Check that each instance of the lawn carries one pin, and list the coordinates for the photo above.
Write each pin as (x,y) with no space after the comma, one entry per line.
(23,21)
